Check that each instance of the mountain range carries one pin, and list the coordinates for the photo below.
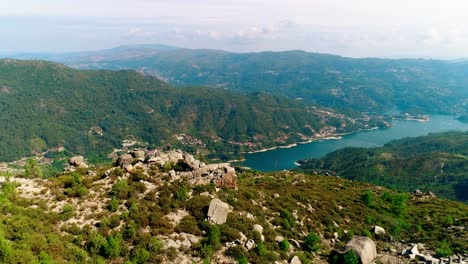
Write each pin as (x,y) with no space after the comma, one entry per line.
(46,105)
(359,84)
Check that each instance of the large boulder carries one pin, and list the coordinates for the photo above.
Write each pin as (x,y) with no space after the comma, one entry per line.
(174,156)
(225,177)
(124,160)
(364,247)
(76,161)
(138,154)
(218,211)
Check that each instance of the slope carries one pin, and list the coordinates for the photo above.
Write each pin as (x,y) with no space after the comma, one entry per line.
(437,163)
(46,105)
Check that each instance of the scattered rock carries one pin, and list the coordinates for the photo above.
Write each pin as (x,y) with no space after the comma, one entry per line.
(364,248)
(294,243)
(335,235)
(276,195)
(417,192)
(129,168)
(250,244)
(258,228)
(279,238)
(378,230)
(431,194)
(295,260)
(412,251)
(242,236)
(218,211)
(172,244)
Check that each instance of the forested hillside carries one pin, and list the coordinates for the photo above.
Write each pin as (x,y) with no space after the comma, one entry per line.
(437,163)
(432,86)
(46,105)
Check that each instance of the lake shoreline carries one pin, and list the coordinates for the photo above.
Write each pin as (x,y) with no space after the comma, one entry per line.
(336,136)
(282,158)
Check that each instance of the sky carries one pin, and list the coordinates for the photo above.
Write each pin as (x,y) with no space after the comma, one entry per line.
(353,28)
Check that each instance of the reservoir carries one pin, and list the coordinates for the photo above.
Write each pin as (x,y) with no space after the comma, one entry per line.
(284,158)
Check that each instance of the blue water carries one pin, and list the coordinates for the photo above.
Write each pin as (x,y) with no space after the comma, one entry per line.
(284,158)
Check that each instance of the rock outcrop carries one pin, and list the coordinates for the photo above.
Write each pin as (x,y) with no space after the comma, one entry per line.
(364,247)
(218,211)
(184,165)
(78,161)
(124,160)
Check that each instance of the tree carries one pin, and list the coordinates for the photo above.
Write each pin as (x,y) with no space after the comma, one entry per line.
(32,169)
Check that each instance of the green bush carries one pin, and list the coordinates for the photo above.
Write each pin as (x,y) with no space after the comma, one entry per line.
(284,245)
(121,189)
(113,204)
(32,169)
(312,242)
(368,198)
(5,250)
(188,224)
(443,250)
(214,237)
(140,255)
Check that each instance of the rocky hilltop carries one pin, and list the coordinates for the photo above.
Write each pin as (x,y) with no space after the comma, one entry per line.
(153,206)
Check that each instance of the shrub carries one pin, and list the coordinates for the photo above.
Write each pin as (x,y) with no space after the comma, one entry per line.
(182,193)
(32,169)
(242,260)
(113,204)
(5,250)
(188,224)
(284,245)
(261,250)
(198,207)
(368,198)
(312,242)
(140,255)
(68,211)
(235,252)
(155,245)
(121,189)
(443,250)
(111,248)
(350,257)
(214,237)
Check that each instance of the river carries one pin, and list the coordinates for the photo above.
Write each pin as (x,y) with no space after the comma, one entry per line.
(284,158)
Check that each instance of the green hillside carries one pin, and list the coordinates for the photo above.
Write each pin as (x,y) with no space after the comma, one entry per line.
(132,219)
(437,163)
(432,86)
(46,105)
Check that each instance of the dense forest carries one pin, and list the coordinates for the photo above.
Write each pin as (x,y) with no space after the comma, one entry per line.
(437,163)
(431,86)
(47,105)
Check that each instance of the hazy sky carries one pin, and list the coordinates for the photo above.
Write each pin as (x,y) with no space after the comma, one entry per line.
(357,28)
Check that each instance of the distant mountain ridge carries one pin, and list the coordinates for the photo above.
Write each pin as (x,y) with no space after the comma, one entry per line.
(368,84)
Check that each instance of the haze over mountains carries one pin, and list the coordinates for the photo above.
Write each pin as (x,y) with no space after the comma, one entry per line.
(368,84)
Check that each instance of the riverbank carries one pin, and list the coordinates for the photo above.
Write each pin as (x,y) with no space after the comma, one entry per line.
(312,139)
